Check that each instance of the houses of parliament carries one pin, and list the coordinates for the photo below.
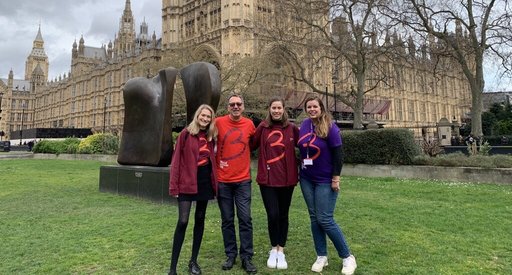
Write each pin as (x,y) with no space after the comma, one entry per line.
(216,31)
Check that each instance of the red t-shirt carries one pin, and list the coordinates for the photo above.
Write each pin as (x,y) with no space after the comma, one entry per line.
(233,151)
(204,152)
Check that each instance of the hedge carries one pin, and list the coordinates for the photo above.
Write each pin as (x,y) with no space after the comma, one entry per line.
(381,146)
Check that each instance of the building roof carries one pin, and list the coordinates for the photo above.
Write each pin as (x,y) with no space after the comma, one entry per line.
(295,99)
(18,84)
(93,52)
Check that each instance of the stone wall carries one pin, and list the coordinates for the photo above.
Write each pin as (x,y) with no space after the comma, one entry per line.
(459,174)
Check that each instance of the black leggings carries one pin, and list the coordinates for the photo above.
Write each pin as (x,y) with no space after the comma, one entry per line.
(277,203)
(181,228)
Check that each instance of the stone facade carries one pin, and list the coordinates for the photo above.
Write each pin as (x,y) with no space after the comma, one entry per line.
(90,95)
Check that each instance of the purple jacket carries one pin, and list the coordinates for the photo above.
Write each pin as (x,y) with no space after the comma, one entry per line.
(183,175)
(277,163)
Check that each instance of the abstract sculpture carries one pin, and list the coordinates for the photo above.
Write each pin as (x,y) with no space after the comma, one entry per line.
(147,131)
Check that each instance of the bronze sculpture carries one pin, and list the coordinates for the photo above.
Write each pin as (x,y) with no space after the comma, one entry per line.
(147,130)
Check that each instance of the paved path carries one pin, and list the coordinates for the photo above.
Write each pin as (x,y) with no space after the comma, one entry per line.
(16,155)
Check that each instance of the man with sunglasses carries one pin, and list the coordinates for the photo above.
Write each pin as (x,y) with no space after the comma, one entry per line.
(233,169)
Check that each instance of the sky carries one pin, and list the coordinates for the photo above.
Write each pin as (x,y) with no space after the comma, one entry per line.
(63,21)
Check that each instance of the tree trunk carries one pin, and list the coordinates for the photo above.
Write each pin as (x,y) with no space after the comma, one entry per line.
(358,105)
(476,104)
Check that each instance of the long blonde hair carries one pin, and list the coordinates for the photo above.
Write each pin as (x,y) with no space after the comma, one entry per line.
(323,122)
(193,127)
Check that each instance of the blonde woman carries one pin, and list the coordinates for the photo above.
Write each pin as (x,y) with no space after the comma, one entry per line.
(193,178)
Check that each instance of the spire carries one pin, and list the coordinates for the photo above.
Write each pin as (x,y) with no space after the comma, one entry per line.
(127,9)
(127,5)
(81,46)
(412,47)
(39,37)
(126,38)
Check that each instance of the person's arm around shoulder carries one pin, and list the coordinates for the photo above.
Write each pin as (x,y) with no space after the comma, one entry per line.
(252,128)
(256,138)
(295,133)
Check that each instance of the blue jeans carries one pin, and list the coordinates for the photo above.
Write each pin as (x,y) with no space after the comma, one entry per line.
(321,201)
(230,195)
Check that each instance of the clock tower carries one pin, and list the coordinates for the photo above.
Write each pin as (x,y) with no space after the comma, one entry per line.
(124,43)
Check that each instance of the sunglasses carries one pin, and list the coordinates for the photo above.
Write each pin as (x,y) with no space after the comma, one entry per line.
(239,104)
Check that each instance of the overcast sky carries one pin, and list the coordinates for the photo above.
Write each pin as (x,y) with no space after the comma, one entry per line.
(63,21)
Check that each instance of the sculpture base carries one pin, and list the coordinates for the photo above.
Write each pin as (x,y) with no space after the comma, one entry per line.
(144,182)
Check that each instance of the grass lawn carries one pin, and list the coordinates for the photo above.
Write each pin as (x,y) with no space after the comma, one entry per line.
(53,220)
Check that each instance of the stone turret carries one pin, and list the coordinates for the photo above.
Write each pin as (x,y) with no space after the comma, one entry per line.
(10,81)
(81,46)
(74,51)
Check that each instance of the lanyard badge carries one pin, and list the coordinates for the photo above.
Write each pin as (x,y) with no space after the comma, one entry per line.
(308,160)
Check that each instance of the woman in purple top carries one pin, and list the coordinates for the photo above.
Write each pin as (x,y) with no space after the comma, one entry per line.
(320,148)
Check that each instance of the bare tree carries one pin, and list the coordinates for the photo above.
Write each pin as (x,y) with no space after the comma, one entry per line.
(238,74)
(243,75)
(336,39)
(470,31)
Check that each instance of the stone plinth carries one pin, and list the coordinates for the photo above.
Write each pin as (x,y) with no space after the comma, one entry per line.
(144,182)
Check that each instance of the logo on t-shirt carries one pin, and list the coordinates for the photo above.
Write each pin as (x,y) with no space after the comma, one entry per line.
(236,147)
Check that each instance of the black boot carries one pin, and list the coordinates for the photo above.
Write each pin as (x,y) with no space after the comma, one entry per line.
(193,268)
(248,266)
(228,264)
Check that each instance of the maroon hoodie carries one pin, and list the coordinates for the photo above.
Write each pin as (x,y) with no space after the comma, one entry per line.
(183,177)
(277,162)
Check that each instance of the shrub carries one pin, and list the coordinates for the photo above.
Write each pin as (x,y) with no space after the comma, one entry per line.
(381,146)
(67,146)
(46,146)
(502,161)
(71,145)
(484,148)
(101,143)
(458,159)
(431,147)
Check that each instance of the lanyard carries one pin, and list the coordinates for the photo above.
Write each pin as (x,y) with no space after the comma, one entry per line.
(310,139)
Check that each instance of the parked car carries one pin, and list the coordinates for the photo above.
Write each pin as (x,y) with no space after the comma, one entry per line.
(5,146)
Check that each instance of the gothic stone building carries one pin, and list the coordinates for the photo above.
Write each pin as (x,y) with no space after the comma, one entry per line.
(90,95)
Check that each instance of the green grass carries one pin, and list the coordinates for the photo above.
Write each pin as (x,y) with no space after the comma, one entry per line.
(53,220)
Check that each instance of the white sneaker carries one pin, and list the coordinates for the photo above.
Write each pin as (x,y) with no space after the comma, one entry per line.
(320,263)
(349,265)
(272,259)
(281,261)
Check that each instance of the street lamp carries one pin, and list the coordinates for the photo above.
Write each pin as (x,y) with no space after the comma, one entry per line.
(104,112)
(327,99)
(22,117)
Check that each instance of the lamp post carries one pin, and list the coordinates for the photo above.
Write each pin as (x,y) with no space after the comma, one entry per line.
(22,117)
(327,99)
(104,112)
